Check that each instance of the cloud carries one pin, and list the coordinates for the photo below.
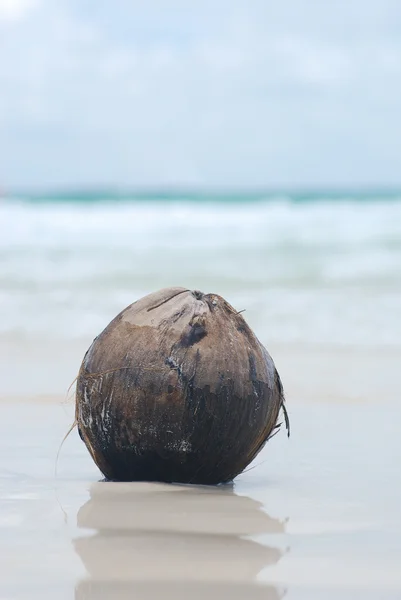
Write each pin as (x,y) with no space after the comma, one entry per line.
(16,9)
(231,94)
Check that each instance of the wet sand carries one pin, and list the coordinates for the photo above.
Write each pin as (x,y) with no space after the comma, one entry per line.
(317,516)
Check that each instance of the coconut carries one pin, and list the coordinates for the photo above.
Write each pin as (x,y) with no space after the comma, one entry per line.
(177,388)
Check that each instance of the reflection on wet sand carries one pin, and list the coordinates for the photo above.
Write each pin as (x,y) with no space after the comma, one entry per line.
(173,541)
(151,590)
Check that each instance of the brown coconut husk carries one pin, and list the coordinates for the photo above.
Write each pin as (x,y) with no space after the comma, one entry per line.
(177,388)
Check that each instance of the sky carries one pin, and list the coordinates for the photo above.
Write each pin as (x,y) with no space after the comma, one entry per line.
(208,93)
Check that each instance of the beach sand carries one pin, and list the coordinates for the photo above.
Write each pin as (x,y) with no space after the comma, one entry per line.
(317,516)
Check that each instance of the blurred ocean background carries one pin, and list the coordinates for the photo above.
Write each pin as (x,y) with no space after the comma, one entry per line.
(319,269)
(317,272)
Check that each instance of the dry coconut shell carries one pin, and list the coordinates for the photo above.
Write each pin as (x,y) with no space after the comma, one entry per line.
(177,388)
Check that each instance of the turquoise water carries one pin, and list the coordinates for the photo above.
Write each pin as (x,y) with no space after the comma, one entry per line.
(223,196)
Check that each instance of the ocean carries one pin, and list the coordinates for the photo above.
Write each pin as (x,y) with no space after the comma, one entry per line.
(323,269)
(318,271)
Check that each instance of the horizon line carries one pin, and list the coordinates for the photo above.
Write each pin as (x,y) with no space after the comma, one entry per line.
(178,189)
